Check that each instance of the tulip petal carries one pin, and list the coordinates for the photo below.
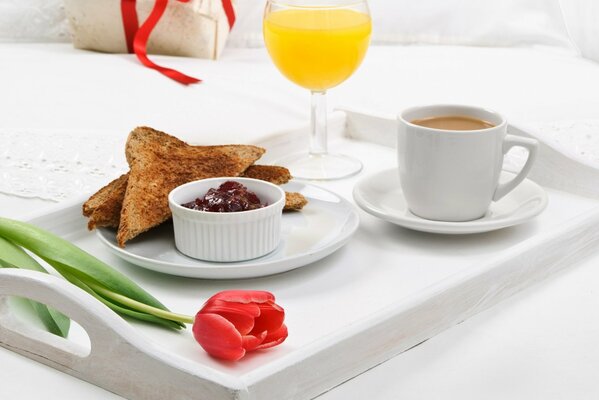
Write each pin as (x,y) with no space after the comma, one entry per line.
(218,337)
(244,296)
(270,319)
(218,306)
(250,342)
(243,323)
(275,338)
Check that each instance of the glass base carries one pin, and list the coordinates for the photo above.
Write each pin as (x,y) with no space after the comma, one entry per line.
(323,167)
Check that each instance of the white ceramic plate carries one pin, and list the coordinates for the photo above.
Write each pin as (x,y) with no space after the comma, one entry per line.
(321,228)
(380,195)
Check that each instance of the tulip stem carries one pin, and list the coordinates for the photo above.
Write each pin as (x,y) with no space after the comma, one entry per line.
(136,305)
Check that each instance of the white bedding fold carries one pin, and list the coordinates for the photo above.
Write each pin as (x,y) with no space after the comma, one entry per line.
(244,99)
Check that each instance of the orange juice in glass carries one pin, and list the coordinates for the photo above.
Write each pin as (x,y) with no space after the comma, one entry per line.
(318,45)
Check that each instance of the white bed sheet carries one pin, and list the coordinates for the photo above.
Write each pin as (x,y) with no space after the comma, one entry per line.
(56,87)
(245,99)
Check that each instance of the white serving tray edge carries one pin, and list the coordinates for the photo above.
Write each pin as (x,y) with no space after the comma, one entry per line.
(375,340)
(125,362)
(121,360)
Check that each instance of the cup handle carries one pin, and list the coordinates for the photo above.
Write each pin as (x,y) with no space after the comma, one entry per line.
(532,146)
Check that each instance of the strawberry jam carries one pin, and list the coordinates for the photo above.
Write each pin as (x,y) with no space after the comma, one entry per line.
(231,196)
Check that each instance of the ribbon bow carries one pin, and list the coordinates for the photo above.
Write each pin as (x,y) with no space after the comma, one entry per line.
(137,36)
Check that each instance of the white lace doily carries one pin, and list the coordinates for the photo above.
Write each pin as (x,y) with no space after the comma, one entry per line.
(577,139)
(56,166)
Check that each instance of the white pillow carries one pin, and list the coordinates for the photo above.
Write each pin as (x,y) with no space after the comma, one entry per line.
(581,18)
(464,22)
(33,20)
(460,22)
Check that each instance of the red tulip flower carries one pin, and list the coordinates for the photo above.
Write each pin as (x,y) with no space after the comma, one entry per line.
(234,322)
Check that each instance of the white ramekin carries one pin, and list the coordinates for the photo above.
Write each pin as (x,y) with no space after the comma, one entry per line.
(230,236)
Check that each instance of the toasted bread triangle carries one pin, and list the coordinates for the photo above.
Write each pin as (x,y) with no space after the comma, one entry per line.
(159,163)
(269,173)
(104,207)
(294,201)
(104,194)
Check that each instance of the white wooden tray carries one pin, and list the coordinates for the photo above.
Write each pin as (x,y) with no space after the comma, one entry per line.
(386,291)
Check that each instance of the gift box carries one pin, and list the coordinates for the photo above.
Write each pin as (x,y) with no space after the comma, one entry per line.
(190,28)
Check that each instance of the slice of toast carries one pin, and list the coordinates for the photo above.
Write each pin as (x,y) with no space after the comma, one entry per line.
(104,207)
(294,201)
(103,195)
(159,163)
(268,173)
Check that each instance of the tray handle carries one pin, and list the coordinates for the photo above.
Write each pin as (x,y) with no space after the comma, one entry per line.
(119,360)
(104,328)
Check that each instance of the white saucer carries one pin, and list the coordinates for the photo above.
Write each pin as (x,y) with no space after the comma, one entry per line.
(321,228)
(381,195)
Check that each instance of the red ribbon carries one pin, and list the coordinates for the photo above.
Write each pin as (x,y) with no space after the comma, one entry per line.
(137,38)
(229,12)
(130,22)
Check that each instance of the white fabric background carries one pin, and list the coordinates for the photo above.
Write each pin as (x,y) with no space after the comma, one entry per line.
(261,100)
(114,92)
(96,99)
(582,18)
(244,98)
(33,20)
(465,22)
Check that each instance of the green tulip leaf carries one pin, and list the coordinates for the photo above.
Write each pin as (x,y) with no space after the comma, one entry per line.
(84,282)
(50,247)
(106,284)
(12,256)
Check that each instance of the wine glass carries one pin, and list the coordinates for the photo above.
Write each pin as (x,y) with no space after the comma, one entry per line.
(318,44)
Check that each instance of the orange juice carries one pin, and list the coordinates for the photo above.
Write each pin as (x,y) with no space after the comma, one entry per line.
(317,48)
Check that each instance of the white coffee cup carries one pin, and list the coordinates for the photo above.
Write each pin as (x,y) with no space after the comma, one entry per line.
(452,175)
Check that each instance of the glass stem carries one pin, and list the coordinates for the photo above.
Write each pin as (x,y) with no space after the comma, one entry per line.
(318,124)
